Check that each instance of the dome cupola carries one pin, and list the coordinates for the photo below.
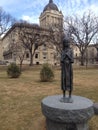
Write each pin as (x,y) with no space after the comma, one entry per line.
(50,6)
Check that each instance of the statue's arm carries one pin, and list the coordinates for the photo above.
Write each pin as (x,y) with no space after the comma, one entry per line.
(62,57)
(70,55)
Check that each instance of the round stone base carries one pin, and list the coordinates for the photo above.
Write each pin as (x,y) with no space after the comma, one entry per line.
(67,116)
(52,125)
(96,108)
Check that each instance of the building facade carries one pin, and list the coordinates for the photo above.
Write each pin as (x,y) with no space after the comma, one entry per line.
(50,17)
(13,48)
(1,50)
(46,53)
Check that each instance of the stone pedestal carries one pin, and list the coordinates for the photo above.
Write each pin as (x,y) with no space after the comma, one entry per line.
(96,108)
(67,116)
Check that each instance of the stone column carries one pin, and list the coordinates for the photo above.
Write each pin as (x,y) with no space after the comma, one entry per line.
(67,116)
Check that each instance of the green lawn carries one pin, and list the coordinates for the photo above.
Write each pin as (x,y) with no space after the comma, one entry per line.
(20,99)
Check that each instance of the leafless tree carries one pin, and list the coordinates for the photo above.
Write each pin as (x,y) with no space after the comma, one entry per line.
(82,30)
(21,55)
(16,47)
(56,37)
(31,36)
(6,21)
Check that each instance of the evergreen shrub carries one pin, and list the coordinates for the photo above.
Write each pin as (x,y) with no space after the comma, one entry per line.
(13,71)
(46,73)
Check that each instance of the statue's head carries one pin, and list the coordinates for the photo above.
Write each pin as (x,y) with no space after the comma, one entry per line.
(66,43)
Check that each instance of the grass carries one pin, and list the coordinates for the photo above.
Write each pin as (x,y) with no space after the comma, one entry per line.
(20,99)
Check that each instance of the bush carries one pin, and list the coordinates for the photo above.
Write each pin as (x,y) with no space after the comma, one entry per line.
(13,71)
(46,73)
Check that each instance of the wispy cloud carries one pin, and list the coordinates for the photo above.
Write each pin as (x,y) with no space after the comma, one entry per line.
(32,18)
(72,7)
(30,10)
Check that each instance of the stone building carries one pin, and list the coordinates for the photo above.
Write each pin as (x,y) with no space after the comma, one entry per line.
(44,53)
(50,17)
(90,56)
(1,57)
(76,53)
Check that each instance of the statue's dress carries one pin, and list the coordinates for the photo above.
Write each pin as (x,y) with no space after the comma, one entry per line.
(66,69)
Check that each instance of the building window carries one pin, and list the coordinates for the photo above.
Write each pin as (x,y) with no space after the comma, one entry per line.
(36,55)
(44,55)
(44,47)
(7,55)
(27,55)
(37,63)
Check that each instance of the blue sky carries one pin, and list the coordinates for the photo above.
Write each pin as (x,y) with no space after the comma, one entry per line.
(30,9)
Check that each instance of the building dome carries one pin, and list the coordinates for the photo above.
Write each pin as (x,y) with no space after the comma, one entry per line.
(50,6)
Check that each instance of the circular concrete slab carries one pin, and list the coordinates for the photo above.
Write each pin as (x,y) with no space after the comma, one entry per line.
(79,111)
(96,108)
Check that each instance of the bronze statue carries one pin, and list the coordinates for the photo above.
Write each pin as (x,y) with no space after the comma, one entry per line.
(66,69)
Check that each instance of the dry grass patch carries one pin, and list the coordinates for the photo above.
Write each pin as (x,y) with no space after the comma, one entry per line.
(20,99)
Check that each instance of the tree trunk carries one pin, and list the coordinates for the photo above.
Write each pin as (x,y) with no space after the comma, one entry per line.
(31,59)
(20,66)
(82,59)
